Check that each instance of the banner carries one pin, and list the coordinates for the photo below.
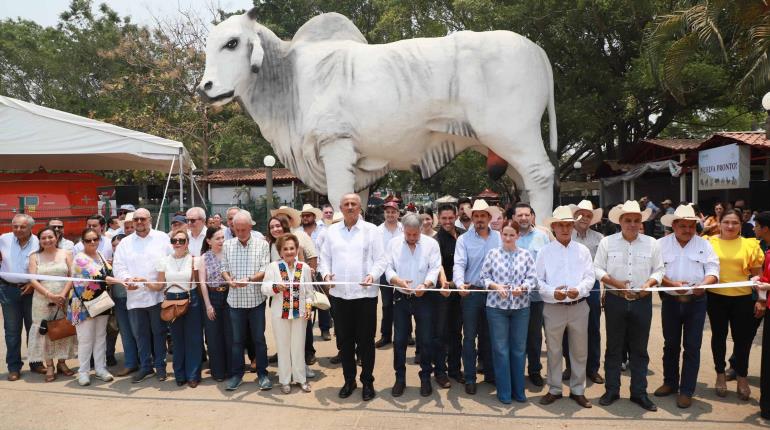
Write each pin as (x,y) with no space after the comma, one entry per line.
(724,168)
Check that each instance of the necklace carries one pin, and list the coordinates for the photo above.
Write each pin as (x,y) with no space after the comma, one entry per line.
(179,262)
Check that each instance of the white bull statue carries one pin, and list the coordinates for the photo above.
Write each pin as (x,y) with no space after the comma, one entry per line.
(341,113)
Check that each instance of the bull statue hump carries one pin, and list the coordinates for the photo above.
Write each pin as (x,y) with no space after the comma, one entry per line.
(341,113)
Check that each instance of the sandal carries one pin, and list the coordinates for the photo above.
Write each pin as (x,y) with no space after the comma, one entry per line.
(744,392)
(721,385)
(50,374)
(63,369)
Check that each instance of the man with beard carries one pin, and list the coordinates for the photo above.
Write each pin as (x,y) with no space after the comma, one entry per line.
(389,229)
(464,221)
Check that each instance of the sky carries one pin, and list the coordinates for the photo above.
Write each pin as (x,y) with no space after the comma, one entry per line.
(46,12)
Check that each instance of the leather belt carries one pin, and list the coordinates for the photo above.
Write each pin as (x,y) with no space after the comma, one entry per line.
(687,298)
(622,294)
(218,289)
(572,303)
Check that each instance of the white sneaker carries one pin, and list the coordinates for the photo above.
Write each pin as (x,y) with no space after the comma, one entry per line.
(104,376)
(84,379)
(309,373)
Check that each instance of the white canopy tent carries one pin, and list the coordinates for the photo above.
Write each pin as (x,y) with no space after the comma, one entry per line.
(33,136)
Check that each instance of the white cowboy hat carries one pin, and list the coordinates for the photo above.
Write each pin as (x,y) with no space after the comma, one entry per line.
(586,205)
(295,218)
(482,205)
(629,207)
(560,214)
(308,208)
(685,212)
(337,217)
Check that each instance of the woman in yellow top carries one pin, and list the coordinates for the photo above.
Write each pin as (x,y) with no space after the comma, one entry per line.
(712,223)
(739,259)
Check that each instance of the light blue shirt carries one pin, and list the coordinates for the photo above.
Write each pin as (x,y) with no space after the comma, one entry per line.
(16,257)
(470,251)
(533,242)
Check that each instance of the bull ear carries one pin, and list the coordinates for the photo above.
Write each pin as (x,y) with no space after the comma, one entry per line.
(257,53)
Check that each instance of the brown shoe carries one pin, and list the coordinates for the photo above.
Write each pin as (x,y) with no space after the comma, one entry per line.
(721,385)
(683,401)
(40,370)
(443,381)
(550,398)
(663,391)
(192,384)
(581,400)
(126,371)
(596,378)
(743,390)
(62,368)
(14,376)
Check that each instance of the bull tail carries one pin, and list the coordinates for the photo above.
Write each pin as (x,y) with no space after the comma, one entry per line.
(552,135)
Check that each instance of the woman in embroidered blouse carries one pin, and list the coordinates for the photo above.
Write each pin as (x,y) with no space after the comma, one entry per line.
(735,308)
(186,334)
(96,273)
(287,280)
(509,273)
(214,292)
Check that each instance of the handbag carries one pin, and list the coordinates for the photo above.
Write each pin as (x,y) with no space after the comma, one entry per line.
(101,303)
(320,301)
(60,328)
(170,310)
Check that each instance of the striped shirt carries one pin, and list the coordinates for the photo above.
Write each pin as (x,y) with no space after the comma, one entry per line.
(242,261)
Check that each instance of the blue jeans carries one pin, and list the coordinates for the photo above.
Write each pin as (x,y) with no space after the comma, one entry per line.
(17,313)
(253,321)
(508,331)
(682,327)
(535,337)
(475,324)
(219,336)
(187,335)
(130,353)
(404,307)
(150,334)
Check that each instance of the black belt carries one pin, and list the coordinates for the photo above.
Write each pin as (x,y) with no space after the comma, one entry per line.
(14,284)
(572,303)
(687,298)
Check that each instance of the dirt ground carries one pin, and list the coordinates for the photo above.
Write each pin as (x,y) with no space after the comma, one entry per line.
(33,404)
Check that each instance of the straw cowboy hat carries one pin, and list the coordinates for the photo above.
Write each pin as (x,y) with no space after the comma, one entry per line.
(482,205)
(586,205)
(560,214)
(337,217)
(295,218)
(308,208)
(685,212)
(629,207)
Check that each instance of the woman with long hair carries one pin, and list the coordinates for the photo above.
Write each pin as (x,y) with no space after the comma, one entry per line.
(711,224)
(214,290)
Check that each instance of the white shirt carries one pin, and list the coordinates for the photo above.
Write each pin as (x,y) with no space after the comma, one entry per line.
(559,265)
(138,256)
(255,234)
(636,261)
(388,235)
(419,266)
(351,254)
(690,264)
(590,240)
(67,244)
(105,247)
(15,258)
(177,270)
(196,242)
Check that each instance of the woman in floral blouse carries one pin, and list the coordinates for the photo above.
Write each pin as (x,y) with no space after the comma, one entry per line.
(509,273)
(287,280)
(96,273)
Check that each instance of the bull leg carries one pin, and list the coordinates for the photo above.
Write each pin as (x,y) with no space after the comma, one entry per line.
(339,159)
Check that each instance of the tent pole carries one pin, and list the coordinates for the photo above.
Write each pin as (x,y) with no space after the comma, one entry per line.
(165,190)
(181,179)
(192,189)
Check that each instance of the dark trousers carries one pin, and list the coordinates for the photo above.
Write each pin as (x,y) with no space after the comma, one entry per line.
(17,314)
(324,320)
(764,378)
(475,325)
(447,334)
(627,321)
(130,352)
(594,333)
(252,321)
(219,336)
(682,330)
(422,309)
(386,322)
(737,314)
(535,337)
(187,335)
(150,334)
(355,322)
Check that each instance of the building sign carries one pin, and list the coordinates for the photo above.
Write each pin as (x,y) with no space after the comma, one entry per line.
(724,168)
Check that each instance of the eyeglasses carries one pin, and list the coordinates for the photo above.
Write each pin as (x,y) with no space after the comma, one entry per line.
(57,227)
(192,220)
(140,218)
(91,240)
(178,241)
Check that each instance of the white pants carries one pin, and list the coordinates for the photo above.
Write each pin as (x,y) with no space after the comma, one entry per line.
(290,340)
(92,338)
(573,319)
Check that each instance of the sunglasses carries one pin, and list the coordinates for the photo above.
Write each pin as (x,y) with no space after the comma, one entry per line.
(178,241)
(140,219)
(192,220)
(57,227)
(91,240)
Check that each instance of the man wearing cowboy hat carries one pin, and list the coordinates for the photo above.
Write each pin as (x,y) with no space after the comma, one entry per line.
(565,275)
(585,216)
(389,229)
(313,226)
(628,263)
(470,251)
(690,261)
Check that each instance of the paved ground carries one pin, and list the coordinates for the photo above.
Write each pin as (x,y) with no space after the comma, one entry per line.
(33,404)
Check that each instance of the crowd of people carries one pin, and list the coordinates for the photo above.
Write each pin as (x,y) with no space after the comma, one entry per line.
(475,287)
